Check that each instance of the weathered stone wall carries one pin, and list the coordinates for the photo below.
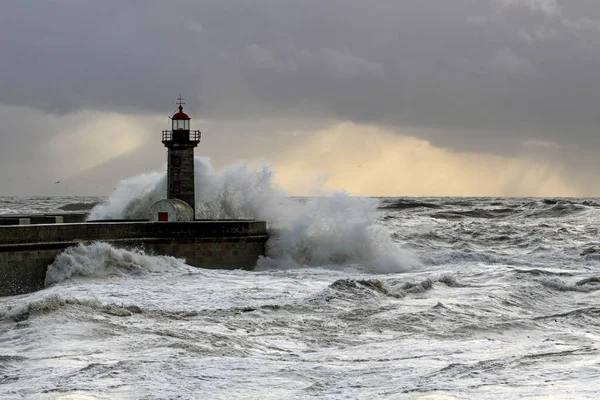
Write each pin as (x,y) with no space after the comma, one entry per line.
(180,175)
(27,250)
(23,270)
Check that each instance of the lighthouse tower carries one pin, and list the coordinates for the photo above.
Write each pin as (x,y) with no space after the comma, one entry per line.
(180,142)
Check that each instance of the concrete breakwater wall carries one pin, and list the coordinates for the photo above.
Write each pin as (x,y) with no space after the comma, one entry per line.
(28,219)
(27,250)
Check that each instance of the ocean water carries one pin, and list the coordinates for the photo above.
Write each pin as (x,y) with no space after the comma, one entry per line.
(357,298)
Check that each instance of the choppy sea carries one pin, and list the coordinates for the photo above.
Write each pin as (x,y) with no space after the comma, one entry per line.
(357,298)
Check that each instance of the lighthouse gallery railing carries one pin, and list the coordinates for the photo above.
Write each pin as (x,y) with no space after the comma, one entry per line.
(194,136)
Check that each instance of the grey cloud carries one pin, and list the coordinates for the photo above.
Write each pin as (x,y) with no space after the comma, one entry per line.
(261,57)
(506,60)
(477,74)
(574,20)
(548,7)
(348,65)
(340,63)
(478,20)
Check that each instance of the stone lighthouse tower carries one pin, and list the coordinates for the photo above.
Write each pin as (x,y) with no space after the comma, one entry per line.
(180,142)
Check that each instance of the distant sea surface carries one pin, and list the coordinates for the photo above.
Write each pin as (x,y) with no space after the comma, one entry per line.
(358,298)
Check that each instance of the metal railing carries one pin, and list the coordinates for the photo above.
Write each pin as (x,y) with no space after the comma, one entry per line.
(194,136)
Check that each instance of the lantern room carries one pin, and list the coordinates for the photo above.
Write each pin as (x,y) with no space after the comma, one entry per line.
(180,120)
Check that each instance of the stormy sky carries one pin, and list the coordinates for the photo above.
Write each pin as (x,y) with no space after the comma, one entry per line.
(402,97)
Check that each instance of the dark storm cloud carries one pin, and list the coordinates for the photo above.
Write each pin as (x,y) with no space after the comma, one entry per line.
(482,74)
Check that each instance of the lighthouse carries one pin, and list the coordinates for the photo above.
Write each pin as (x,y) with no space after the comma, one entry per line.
(180,142)
(171,228)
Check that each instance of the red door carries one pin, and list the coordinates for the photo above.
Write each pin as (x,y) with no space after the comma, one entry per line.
(163,217)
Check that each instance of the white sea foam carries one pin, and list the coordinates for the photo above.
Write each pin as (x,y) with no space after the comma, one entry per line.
(102,259)
(132,198)
(460,328)
(335,229)
(332,230)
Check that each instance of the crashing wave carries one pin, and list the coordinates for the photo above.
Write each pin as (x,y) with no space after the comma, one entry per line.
(337,229)
(102,259)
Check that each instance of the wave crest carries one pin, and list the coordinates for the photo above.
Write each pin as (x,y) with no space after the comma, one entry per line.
(102,259)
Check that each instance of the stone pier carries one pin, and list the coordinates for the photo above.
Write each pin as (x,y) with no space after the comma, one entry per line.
(27,250)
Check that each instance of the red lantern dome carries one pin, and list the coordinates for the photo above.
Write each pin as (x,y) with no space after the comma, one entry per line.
(180,120)
(180,114)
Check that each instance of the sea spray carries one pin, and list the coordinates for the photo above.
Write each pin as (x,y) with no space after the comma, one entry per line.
(102,259)
(132,198)
(336,229)
(331,230)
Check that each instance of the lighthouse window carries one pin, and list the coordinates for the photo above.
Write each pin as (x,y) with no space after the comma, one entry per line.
(181,124)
